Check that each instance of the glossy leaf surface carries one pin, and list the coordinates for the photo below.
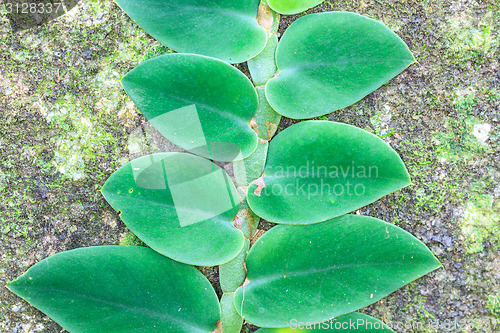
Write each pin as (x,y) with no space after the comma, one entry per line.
(224,29)
(290,7)
(317,170)
(352,322)
(177,204)
(331,60)
(201,104)
(120,289)
(315,272)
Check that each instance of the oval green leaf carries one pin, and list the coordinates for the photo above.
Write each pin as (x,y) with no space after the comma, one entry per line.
(317,170)
(325,270)
(201,104)
(120,289)
(177,204)
(352,322)
(226,29)
(290,7)
(328,61)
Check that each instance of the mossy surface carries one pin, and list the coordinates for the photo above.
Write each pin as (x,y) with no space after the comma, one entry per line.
(67,125)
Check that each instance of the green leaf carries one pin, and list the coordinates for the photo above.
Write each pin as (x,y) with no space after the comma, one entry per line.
(331,60)
(352,322)
(201,104)
(317,170)
(290,7)
(177,204)
(224,29)
(315,272)
(120,289)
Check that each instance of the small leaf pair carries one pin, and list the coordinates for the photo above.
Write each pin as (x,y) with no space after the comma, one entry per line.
(297,274)
(325,62)
(315,171)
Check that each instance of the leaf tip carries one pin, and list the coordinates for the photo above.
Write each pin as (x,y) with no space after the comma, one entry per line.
(11,286)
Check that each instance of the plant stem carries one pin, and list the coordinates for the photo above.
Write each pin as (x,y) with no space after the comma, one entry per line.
(262,68)
(232,274)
